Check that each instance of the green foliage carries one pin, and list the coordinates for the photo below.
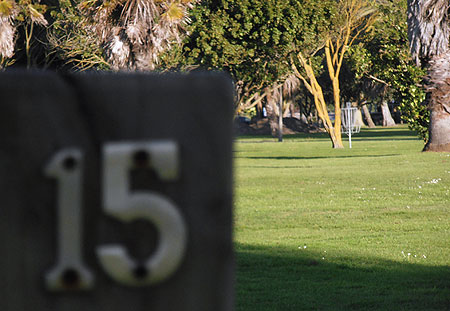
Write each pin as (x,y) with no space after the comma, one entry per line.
(22,28)
(31,12)
(237,36)
(73,45)
(411,96)
(6,7)
(78,35)
(253,39)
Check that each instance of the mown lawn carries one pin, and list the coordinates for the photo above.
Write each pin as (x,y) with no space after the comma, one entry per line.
(366,228)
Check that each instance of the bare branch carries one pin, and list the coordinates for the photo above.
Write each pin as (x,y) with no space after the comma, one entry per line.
(378,80)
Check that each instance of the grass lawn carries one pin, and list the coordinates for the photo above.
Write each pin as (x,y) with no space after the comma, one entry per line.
(366,228)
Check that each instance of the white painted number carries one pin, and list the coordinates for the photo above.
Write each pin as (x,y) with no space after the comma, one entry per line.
(123,204)
(70,272)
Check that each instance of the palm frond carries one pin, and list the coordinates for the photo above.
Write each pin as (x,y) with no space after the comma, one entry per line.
(7,33)
(8,11)
(134,33)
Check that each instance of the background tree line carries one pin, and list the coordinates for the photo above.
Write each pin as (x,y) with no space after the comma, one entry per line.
(277,51)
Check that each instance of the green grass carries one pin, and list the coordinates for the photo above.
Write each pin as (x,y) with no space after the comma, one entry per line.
(324,229)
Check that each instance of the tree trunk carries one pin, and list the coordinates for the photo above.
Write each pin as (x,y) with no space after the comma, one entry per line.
(280,119)
(271,115)
(428,33)
(289,110)
(335,132)
(387,117)
(358,118)
(336,139)
(304,119)
(368,117)
(259,110)
(439,128)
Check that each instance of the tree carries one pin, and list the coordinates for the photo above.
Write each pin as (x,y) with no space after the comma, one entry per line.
(354,17)
(22,16)
(134,33)
(429,34)
(109,34)
(117,34)
(381,68)
(72,42)
(249,39)
(252,39)
(8,12)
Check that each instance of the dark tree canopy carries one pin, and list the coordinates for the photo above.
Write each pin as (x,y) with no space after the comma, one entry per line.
(252,39)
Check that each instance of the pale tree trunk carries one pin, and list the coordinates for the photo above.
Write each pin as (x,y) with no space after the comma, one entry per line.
(387,117)
(358,118)
(259,110)
(271,115)
(289,111)
(275,112)
(280,118)
(316,90)
(439,128)
(334,77)
(304,119)
(368,117)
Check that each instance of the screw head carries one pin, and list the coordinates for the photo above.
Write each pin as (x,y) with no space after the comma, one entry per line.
(70,163)
(140,272)
(141,158)
(70,277)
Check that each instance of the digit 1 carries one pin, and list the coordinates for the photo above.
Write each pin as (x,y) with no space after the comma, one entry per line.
(70,273)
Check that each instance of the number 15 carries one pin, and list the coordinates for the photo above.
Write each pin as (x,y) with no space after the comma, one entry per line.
(119,202)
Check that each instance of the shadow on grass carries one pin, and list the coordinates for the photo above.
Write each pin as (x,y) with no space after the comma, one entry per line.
(314,158)
(388,133)
(280,166)
(355,137)
(379,133)
(280,279)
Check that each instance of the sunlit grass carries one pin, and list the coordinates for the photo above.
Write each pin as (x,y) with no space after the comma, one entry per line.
(323,229)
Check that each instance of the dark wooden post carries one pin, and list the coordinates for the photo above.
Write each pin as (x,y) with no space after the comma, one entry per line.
(64,140)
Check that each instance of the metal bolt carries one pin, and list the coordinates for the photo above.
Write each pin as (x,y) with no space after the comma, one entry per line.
(70,163)
(70,277)
(140,272)
(141,158)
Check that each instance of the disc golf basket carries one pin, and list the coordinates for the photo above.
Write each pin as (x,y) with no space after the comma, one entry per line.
(349,126)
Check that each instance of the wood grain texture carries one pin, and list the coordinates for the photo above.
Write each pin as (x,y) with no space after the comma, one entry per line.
(42,113)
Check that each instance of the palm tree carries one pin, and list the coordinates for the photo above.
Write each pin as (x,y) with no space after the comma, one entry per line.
(429,34)
(8,12)
(134,33)
(24,14)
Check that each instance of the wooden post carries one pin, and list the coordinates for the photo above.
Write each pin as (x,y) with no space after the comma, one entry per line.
(138,163)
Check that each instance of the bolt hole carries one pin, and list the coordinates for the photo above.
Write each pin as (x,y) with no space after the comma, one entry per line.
(140,272)
(69,163)
(141,158)
(70,277)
